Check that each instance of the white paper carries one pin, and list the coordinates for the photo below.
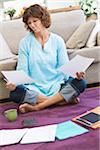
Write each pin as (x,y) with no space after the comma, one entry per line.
(17,77)
(13,136)
(40,134)
(77,64)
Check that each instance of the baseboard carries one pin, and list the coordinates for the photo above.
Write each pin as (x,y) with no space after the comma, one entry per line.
(93,85)
(5,100)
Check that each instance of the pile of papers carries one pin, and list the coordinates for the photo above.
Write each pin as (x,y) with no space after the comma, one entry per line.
(46,133)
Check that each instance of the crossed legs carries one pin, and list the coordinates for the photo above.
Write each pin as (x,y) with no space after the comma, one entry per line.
(44,102)
(68,94)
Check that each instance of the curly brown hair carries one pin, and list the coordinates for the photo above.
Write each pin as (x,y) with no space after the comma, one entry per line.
(39,12)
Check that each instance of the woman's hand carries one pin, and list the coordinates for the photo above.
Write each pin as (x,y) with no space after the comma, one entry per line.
(80,75)
(10,86)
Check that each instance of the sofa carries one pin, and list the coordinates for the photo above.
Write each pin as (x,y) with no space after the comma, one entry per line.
(64,24)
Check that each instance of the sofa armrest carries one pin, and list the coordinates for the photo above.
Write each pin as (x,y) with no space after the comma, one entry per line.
(93,52)
(8,64)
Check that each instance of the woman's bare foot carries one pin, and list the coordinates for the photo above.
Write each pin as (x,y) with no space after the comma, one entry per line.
(27,108)
(75,101)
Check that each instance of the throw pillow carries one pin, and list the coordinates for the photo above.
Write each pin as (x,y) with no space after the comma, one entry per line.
(5,52)
(92,39)
(15,33)
(80,36)
(98,38)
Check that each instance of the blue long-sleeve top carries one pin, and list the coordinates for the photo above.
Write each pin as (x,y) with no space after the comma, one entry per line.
(41,64)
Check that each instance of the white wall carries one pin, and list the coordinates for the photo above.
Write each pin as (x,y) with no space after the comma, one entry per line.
(51,4)
(98,10)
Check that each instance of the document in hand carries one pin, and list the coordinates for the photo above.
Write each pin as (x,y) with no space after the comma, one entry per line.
(77,64)
(17,77)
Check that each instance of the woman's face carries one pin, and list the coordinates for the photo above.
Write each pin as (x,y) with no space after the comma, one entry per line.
(35,24)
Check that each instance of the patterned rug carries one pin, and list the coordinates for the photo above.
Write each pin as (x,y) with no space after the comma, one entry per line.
(57,114)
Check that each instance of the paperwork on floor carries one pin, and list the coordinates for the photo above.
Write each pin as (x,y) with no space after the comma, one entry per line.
(28,135)
(69,129)
(46,133)
(40,134)
(13,136)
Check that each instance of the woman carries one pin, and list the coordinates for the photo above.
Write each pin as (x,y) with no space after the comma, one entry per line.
(40,54)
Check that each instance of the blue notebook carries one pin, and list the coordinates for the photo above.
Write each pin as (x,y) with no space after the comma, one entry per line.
(69,129)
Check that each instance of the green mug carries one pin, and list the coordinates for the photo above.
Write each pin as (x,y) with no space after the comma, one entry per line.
(11,114)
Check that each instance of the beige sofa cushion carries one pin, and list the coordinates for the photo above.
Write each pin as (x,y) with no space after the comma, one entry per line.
(64,24)
(13,31)
(80,36)
(5,51)
(92,39)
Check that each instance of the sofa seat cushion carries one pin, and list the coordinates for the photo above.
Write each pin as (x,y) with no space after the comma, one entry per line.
(8,64)
(86,52)
(80,36)
(4,93)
